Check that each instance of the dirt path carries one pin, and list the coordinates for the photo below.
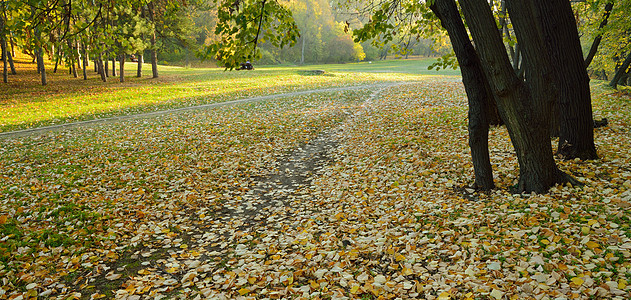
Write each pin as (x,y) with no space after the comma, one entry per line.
(38,130)
(269,214)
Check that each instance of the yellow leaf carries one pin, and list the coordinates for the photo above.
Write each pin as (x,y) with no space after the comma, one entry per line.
(399,257)
(578,281)
(243,291)
(3,219)
(444,296)
(355,289)
(144,272)
(406,271)
(592,245)
(592,222)
(622,284)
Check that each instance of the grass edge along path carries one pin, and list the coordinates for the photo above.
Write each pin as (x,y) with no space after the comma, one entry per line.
(24,132)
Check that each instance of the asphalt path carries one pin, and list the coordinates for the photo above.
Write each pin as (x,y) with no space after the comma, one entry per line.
(44,129)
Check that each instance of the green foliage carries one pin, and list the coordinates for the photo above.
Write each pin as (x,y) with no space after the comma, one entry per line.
(616,41)
(241,25)
(444,62)
(401,27)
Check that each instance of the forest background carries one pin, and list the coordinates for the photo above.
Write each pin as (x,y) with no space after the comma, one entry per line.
(180,32)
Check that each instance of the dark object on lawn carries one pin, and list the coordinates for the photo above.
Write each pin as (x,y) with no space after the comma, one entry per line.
(311,72)
(601,123)
(246,66)
(133,58)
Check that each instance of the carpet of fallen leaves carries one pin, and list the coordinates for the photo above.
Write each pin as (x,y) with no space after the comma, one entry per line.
(350,194)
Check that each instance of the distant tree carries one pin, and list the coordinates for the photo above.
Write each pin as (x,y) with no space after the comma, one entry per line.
(242,25)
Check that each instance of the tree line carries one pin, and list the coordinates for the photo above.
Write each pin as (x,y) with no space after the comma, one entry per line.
(81,34)
(74,32)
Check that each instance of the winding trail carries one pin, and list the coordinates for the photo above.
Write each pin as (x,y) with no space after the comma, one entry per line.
(38,130)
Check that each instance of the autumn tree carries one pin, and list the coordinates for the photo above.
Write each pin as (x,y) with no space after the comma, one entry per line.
(241,25)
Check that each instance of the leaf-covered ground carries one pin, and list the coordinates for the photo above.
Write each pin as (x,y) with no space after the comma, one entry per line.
(349,194)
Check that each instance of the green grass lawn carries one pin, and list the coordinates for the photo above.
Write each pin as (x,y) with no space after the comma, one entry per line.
(26,104)
(417,66)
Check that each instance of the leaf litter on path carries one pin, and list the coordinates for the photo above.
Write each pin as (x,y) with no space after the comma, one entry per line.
(321,196)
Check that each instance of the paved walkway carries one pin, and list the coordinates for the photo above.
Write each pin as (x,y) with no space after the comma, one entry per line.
(39,130)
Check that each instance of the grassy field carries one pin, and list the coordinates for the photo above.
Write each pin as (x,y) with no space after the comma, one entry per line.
(26,104)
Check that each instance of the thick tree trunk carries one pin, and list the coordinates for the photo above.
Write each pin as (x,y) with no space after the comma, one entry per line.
(477,87)
(599,37)
(521,110)
(154,53)
(620,72)
(574,103)
(139,69)
(121,70)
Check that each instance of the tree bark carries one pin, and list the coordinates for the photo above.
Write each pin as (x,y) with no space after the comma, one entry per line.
(39,51)
(574,103)
(85,63)
(139,69)
(620,72)
(302,51)
(521,110)
(154,53)
(5,69)
(599,37)
(10,57)
(114,66)
(478,91)
(121,70)
(101,68)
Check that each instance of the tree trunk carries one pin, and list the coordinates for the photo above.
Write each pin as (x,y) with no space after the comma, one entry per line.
(574,103)
(5,69)
(620,72)
(154,53)
(114,66)
(599,37)
(107,67)
(85,63)
(10,57)
(121,70)
(39,51)
(521,109)
(71,56)
(302,51)
(139,69)
(101,68)
(477,87)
